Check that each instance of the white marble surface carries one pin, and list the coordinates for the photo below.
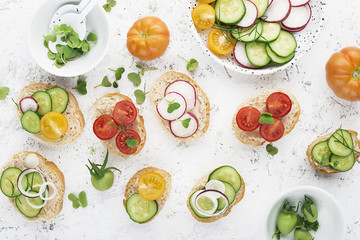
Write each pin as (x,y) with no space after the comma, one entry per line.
(265,176)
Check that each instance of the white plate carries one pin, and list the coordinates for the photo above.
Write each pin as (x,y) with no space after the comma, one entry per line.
(305,39)
(331,219)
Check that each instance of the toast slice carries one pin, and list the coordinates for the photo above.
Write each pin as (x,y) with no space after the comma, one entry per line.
(330,170)
(72,113)
(259,101)
(106,105)
(132,187)
(52,174)
(201,185)
(201,110)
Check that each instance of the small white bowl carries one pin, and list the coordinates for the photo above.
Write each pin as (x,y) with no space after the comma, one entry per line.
(96,22)
(331,219)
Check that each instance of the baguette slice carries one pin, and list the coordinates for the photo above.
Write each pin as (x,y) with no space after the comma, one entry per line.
(259,101)
(201,185)
(52,174)
(132,187)
(330,170)
(106,105)
(201,110)
(72,113)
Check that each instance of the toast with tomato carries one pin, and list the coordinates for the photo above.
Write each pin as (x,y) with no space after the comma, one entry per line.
(278,104)
(118,124)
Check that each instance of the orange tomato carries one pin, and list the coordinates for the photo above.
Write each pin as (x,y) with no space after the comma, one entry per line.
(207,1)
(151,185)
(221,42)
(203,16)
(53,125)
(148,38)
(343,73)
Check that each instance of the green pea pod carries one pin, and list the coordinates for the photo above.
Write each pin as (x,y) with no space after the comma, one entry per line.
(301,234)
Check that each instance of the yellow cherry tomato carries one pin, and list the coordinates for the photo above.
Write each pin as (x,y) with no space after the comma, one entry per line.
(207,1)
(221,42)
(151,186)
(203,16)
(53,125)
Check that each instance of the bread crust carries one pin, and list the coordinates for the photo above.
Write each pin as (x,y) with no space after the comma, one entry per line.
(72,113)
(132,187)
(330,170)
(106,105)
(201,110)
(259,101)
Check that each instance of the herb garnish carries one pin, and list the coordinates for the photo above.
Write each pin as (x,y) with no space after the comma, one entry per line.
(109,5)
(4,92)
(105,82)
(134,78)
(271,149)
(118,72)
(78,201)
(140,96)
(172,106)
(266,118)
(191,65)
(185,122)
(143,69)
(81,86)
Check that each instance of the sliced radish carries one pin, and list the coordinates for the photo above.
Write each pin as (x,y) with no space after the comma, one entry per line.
(164,108)
(277,11)
(250,15)
(179,130)
(298,3)
(292,30)
(298,18)
(186,89)
(241,57)
(28,103)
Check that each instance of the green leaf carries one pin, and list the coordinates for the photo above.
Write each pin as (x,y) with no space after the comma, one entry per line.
(271,149)
(60,48)
(143,70)
(140,96)
(83,199)
(112,3)
(73,41)
(69,52)
(50,38)
(266,118)
(3,92)
(172,107)
(119,72)
(91,37)
(192,65)
(81,86)
(131,142)
(135,78)
(51,55)
(75,201)
(107,7)
(115,84)
(85,47)
(105,82)
(57,30)
(185,122)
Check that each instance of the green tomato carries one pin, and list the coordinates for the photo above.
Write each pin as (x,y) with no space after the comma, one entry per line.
(104,183)
(286,222)
(301,234)
(311,217)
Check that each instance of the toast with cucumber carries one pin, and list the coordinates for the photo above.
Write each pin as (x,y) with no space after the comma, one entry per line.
(51,113)
(146,194)
(215,194)
(34,186)
(335,152)
(181,105)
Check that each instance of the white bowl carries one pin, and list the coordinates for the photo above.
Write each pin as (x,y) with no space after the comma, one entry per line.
(331,219)
(96,22)
(305,39)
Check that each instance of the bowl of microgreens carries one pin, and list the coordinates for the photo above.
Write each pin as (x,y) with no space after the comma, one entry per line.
(62,51)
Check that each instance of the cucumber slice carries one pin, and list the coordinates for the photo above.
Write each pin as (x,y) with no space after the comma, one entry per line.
(249,34)
(227,174)
(30,121)
(59,99)
(8,182)
(256,53)
(140,210)
(192,203)
(44,101)
(275,58)
(342,164)
(284,45)
(338,142)
(321,153)
(270,32)
(25,208)
(33,179)
(229,193)
(261,5)
(230,11)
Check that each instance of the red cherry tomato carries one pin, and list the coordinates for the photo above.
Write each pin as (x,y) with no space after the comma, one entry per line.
(103,129)
(121,141)
(272,132)
(247,119)
(124,113)
(278,104)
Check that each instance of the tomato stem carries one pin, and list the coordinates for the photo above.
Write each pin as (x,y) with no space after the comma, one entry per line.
(143,35)
(356,73)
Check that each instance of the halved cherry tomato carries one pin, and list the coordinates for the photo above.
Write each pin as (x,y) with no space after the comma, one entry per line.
(124,113)
(272,132)
(203,16)
(53,125)
(278,104)
(221,42)
(207,1)
(103,129)
(247,119)
(151,185)
(121,141)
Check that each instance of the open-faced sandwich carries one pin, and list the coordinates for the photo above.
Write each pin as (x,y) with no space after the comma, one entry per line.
(335,152)
(51,113)
(266,117)
(146,194)
(182,106)
(215,194)
(117,123)
(34,185)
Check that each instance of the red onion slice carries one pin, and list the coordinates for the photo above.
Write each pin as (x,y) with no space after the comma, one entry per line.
(37,206)
(217,194)
(20,178)
(28,103)
(43,189)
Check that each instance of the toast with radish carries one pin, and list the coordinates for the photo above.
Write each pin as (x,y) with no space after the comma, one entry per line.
(42,184)
(118,124)
(277,107)
(181,105)
(215,194)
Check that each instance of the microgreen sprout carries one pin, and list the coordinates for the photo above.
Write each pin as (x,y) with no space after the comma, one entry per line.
(4,92)
(191,65)
(134,78)
(105,82)
(266,118)
(185,122)
(81,86)
(271,149)
(140,96)
(143,69)
(109,5)
(78,201)
(172,106)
